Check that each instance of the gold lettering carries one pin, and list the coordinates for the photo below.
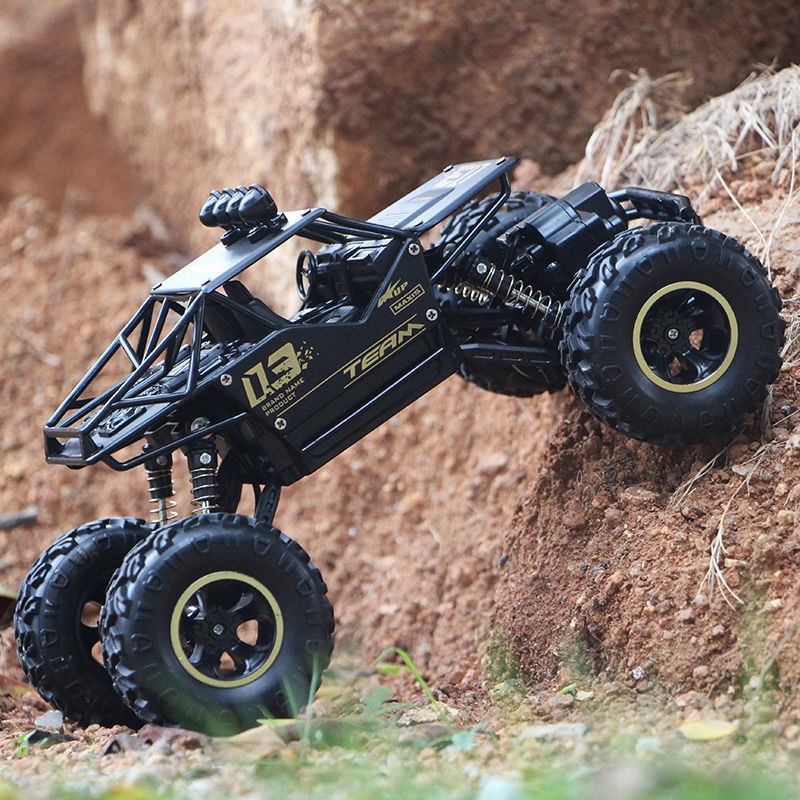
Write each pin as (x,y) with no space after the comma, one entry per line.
(256,373)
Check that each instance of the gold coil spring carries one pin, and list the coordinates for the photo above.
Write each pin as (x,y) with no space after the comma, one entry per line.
(472,293)
(524,297)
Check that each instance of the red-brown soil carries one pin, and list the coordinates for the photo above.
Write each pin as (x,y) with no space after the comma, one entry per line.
(50,144)
(481,533)
(467,521)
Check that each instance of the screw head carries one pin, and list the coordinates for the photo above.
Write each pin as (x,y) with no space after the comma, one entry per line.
(481,269)
(218,629)
(199,423)
(414,249)
(280,424)
(206,459)
(673,334)
(225,379)
(432,315)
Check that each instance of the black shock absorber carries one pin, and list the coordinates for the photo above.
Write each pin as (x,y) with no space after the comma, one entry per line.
(159,483)
(202,459)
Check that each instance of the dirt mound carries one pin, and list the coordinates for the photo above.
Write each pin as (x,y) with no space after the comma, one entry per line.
(51,145)
(354,103)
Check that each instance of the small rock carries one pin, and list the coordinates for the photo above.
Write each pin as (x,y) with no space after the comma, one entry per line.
(582,696)
(734,563)
(785,518)
(794,494)
(701,672)
(772,605)
(792,732)
(124,743)
(561,701)
(175,737)
(50,720)
(685,616)
(419,716)
(492,463)
(559,730)
(638,674)
(691,700)
(648,744)
(722,702)
(639,493)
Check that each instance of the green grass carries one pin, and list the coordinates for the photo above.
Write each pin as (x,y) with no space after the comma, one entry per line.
(354,747)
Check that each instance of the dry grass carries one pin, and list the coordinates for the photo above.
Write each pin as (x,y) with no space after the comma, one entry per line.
(645,139)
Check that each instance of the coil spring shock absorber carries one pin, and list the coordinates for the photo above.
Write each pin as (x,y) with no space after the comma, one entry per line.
(202,459)
(489,280)
(159,483)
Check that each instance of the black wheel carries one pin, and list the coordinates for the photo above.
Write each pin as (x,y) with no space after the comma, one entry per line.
(56,620)
(215,622)
(673,334)
(497,378)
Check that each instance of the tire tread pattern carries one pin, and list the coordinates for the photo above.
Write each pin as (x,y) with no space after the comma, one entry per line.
(578,342)
(117,648)
(78,693)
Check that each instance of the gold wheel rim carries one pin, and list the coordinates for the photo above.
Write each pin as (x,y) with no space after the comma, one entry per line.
(175,622)
(732,344)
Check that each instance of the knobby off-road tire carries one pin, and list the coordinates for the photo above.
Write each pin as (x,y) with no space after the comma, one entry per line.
(215,622)
(493,377)
(55,622)
(673,334)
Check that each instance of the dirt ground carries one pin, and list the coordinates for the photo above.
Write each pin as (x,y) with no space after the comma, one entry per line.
(492,538)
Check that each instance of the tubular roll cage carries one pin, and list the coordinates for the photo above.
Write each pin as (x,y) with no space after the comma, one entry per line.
(78,417)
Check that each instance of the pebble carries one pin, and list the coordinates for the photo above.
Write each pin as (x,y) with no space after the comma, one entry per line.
(691,700)
(50,720)
(419,716)
(772,605)
(493,463)
(701,672)
(648,744)
(686,616)
(561,701)
(123,743)
(639,493)
(558,730)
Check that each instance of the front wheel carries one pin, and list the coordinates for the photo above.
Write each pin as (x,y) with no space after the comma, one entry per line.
(215,622)
(673,334)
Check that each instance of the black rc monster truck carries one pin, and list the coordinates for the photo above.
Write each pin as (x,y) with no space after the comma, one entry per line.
(669,333)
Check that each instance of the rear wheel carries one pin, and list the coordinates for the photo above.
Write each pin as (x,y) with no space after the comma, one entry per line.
(57,616)
(216,622)
(673,334)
